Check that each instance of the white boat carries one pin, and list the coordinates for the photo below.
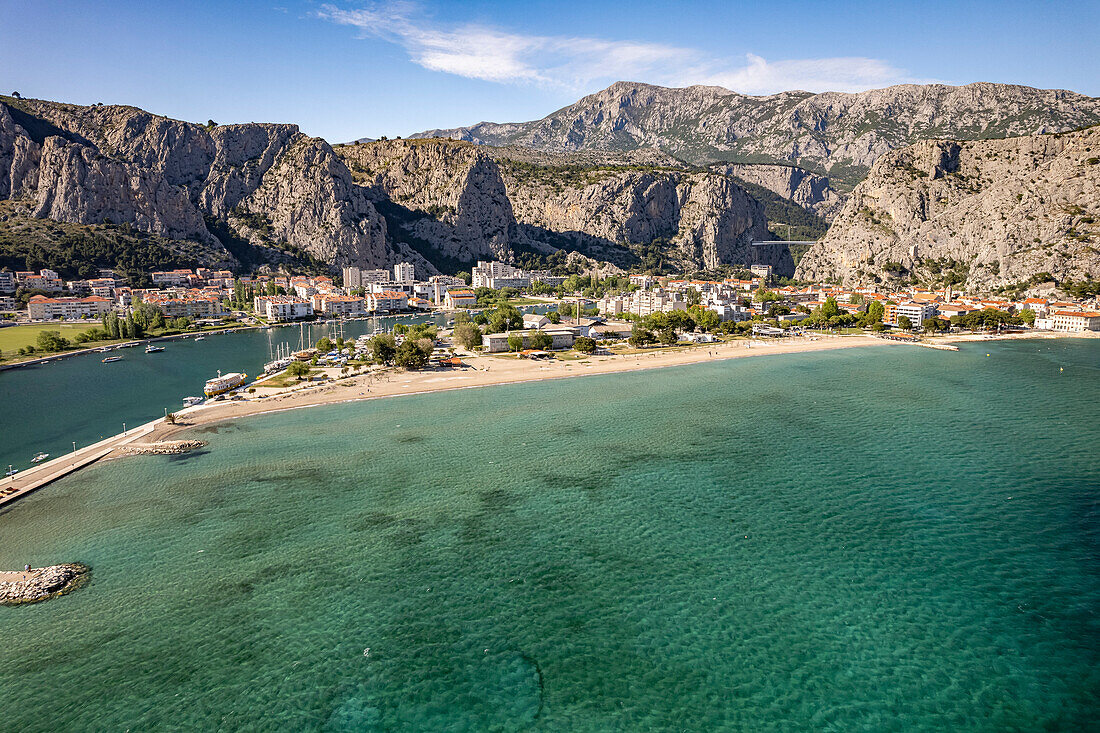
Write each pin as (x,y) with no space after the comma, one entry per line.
(11,472)
(109,359)
(39,457)
(200,338)
(223,383)
(192,401)
(150,349)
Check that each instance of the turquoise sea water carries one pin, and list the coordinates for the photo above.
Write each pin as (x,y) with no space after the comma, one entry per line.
(48,406)
(873,539)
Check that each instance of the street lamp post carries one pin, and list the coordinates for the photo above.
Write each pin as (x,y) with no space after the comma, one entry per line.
(124,428)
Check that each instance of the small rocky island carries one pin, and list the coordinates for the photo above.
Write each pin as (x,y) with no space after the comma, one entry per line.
(41,584)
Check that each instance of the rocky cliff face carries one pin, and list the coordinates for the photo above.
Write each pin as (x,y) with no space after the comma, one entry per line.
(699,220)
(283,192)
(446,194)
(809,190)
(471,202)
(834,133)
(983,213)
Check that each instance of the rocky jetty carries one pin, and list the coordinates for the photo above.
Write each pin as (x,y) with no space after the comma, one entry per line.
(41,584)
(164,448)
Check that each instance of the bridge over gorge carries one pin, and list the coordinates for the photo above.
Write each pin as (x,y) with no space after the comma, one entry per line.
(784,242)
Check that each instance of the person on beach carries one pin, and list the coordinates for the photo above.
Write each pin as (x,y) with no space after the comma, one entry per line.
(27,568)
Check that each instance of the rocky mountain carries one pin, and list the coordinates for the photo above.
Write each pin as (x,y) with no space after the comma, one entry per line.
(808,190)
(262,193)
(975,213)
(466,202)
(832,133)
(269,192)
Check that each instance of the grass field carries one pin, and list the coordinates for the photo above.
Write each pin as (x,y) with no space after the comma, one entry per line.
(13,338)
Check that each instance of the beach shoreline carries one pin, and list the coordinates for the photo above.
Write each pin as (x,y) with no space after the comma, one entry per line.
(492,370)
(481,370)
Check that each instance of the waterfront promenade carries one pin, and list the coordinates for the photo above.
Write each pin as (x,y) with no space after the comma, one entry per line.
(24,482)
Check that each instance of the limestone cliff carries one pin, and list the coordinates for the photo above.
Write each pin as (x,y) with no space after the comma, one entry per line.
(467,202)
(449,195)
(809,190)
(981,213)
(285,194)
(700,220)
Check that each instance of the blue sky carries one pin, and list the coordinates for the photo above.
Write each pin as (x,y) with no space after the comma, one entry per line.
(343,70)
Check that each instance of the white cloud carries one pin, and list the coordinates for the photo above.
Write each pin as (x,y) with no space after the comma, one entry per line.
(577,63)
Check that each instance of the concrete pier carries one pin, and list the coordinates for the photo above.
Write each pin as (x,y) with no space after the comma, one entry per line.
(24,482)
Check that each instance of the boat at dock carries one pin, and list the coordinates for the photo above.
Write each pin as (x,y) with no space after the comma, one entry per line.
(39,457)
(223,383)
(192,401)
(109,359)
(200,338)
(150,349)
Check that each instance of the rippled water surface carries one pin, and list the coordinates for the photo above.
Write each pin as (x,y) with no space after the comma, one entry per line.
(873,539)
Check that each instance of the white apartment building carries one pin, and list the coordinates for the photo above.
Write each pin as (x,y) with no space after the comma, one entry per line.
(42,308)
(498,275)
(917,313)
(1075,321)
(404,272)
(339,305)
(387,300)
(357,278)
(7,281)
(642,302)
(282,307)
(172,278)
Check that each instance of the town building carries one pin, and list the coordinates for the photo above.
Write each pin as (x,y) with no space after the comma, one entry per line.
(7,281)
(459,298)
(172,278)
(332,305)
(187,304)
(282,307)
(42,308)
(404,272)
(1075,321)
(916,312)
(387,301)
(46,280)
(561,338)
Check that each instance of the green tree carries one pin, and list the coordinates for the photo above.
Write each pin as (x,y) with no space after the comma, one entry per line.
(1027,316)
(324,344)
(905,323)
(298,369)
(708,321)
(694,297)
(52,341)
(383,349)
(667,336)
(641,336)
(541,340)
(553,317)
(584,344)
(515,342)
(467,335)
(410,356)
(875,312)
(829,308)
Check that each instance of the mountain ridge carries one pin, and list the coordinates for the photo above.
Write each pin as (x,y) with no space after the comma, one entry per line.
(835,133)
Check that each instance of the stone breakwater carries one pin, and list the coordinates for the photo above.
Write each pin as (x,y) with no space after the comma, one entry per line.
(41,584)
(166,448)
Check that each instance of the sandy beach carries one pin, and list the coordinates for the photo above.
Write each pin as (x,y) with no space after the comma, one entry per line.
(487,370)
